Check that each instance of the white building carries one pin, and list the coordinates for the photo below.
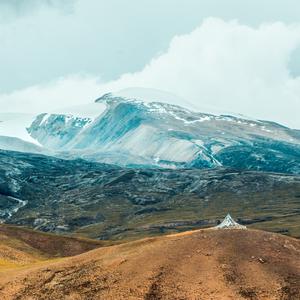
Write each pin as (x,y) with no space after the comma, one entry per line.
(229,223)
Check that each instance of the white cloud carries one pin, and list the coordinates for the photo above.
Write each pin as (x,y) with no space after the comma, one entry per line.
(230,67)
(64,92)
(225,65)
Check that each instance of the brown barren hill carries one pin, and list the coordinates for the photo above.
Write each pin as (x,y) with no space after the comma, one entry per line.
(202,265)
(21,247)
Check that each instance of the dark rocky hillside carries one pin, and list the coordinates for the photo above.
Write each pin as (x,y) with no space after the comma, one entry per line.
(108,202)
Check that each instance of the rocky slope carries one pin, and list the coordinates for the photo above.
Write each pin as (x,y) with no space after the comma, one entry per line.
(205,264)
(154,134)
(113,203)
(57,130)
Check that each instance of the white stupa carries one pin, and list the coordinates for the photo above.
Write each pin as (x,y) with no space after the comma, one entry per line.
(229,223)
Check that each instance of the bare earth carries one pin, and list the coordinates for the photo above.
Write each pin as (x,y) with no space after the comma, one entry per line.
(204,264)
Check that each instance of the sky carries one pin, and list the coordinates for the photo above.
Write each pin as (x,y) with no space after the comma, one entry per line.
(231,55)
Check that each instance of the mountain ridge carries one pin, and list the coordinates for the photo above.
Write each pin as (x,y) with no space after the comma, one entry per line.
(131,132)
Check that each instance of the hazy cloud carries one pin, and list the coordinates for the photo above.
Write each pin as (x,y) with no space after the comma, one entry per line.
(10,8)
(43,40)
(69,91)
(231,67)
(223,65)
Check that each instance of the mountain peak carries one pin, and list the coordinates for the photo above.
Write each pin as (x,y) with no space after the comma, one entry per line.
(133,132)
(150,95)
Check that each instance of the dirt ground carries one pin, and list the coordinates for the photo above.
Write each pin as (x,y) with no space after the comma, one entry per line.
(202,265)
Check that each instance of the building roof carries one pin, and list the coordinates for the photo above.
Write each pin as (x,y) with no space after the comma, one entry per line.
(229,223)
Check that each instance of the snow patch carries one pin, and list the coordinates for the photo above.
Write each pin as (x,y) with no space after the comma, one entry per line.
(45,118)
(6,214)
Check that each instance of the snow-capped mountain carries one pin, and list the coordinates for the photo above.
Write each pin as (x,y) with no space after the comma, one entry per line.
(131,132)
(14,134)
(55,131)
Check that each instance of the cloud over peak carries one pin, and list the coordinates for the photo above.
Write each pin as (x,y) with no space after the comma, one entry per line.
(223,65)
(231,67)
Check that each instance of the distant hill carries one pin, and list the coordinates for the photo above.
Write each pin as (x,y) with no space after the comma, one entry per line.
(16,144)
